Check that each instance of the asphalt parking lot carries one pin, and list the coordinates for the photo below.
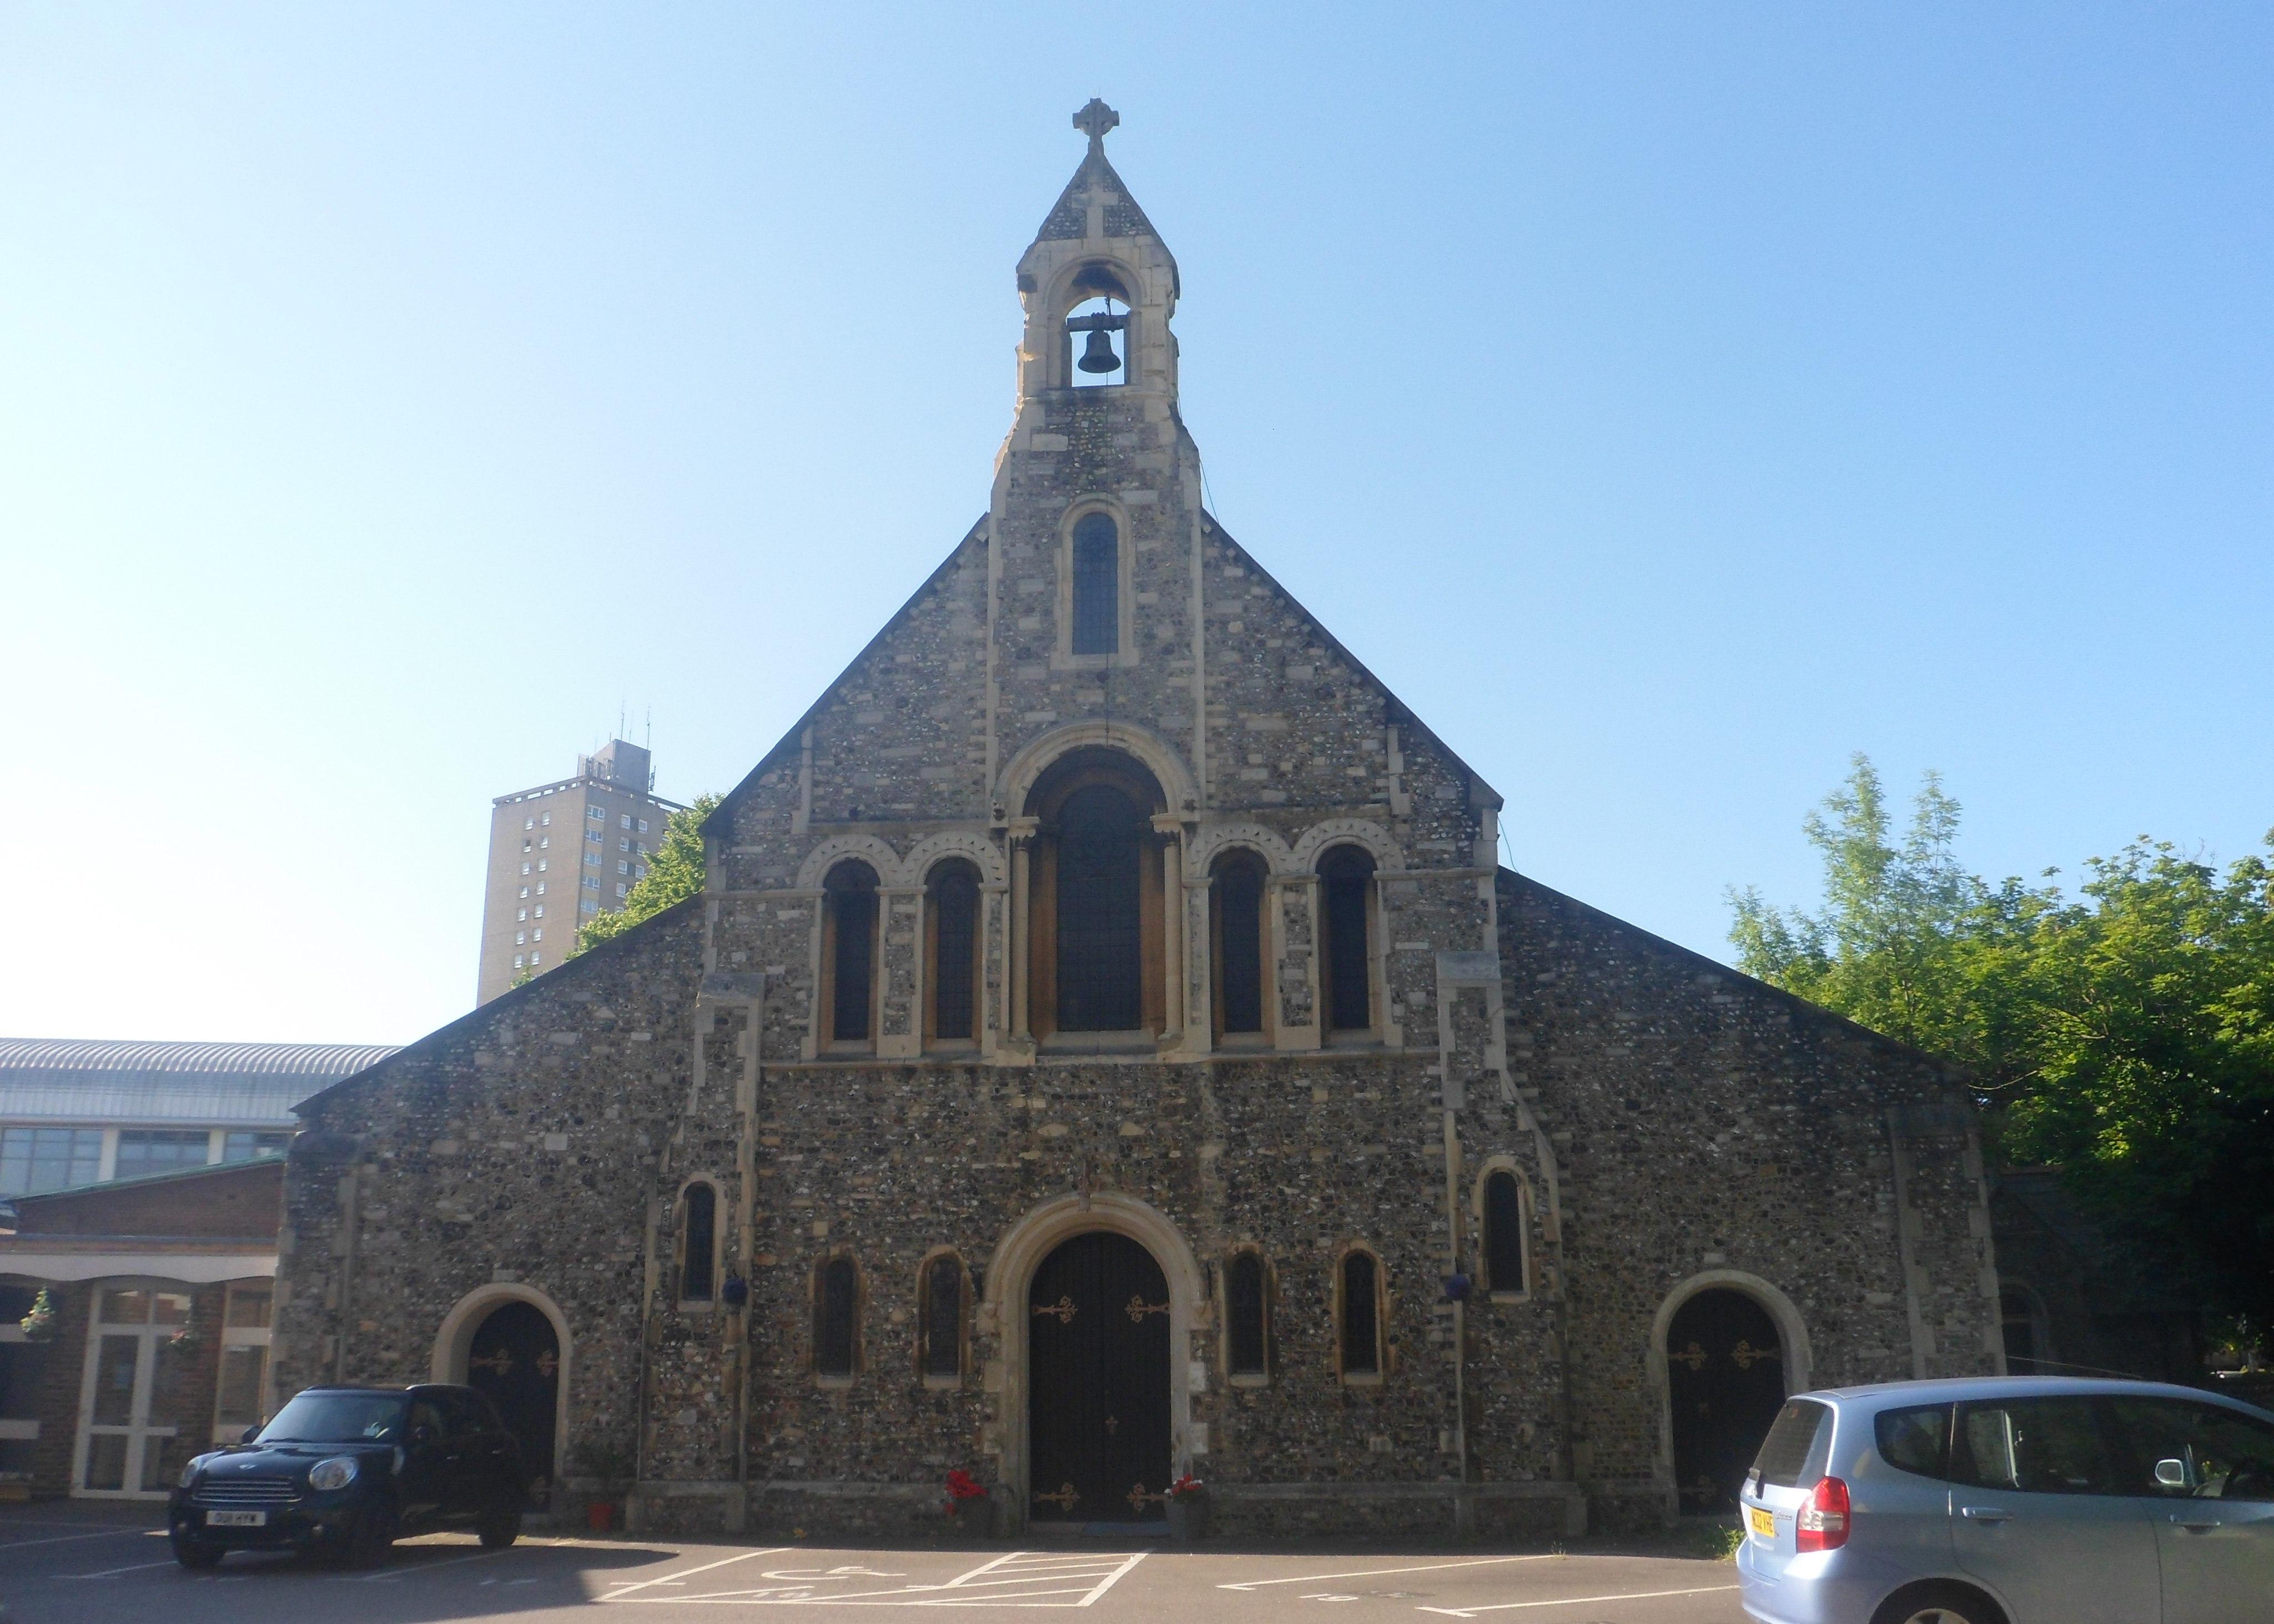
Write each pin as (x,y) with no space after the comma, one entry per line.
(60,1569)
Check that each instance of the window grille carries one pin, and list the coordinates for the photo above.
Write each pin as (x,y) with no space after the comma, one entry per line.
(1244,1289)
(1503,1233)
(1361,1323)
(701,1226)
(1096,585)
(1240,943)
(955,928)
(943,1351)
(1350,997)
(852,888)
(1101,838)
(836,1330)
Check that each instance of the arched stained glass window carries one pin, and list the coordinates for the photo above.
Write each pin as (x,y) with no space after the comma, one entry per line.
(836,1317)
(1503,1235)
(1096,585)
(1361,1326)
(1250,1313)
(1346,873)
(1100,972)
(852,900)
(954,949)
(699,1238)
(942,1316)
(1239,905)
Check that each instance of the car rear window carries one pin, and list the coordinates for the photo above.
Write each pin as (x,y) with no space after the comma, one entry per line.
(1916,1440)
(1784,1452)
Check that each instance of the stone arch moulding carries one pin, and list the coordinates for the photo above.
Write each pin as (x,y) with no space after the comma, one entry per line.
(1154,754)
(878,854)
(1215,840)
(1061,296)
(1011,1271)
(983,853)
(1792,1335)
(1347,832)
(455,1340)
(1528,1215)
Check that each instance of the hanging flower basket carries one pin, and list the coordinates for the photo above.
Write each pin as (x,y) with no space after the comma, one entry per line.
(39,1325)
(185,1341)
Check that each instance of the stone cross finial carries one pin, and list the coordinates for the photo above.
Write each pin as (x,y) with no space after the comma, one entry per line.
(1094,121)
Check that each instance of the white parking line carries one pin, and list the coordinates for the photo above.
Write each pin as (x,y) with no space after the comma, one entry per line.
(1571,1601)
(390,1575)
(1481,1562)
(111,1572)
(65,1539)
(1015,1579)
(629,1585)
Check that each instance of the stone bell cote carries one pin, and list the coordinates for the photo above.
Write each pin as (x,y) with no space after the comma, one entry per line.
(1099,286)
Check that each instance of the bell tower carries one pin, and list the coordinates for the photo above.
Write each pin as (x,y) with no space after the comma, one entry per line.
(1094,536)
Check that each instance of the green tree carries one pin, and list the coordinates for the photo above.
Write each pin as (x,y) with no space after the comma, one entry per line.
(2124,1036)
(674,873)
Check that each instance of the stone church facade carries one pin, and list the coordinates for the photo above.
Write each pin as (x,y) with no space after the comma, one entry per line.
(1107,1048)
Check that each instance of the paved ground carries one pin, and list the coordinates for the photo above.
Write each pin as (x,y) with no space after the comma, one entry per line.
(58,1567)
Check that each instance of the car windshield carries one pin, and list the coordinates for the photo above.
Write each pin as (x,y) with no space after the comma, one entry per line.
(338,1418)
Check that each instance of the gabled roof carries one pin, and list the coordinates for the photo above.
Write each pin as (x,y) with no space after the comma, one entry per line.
(1069,219)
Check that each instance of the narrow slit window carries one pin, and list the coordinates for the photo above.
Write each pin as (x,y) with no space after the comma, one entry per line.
(836,1317)
(1250,1312)
(852,888)
(1503,1232)
(1096,585)
(1361,1325)
(699,1234)
(1240,942)
(954,957)
(943,1318)
(1347,874)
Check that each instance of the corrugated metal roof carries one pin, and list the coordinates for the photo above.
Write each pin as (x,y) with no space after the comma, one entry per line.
(250,1084)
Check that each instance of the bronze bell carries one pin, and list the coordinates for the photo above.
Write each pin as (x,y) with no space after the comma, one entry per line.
(1098,357)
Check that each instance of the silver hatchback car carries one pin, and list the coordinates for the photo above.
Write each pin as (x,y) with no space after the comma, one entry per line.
(2012,1500)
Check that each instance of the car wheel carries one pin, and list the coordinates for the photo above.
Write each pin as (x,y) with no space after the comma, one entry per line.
(372,1541)
(1938,1604)
(499,1530)
(196,1554)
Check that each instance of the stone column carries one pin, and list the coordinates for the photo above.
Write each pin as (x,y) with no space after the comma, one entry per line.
(899,1013)
(1015,927)
(1170,831)
(1295,974)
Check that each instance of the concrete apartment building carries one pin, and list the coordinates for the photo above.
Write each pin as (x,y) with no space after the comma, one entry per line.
(560,854)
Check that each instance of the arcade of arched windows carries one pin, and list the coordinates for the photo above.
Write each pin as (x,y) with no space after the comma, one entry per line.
(1104,922)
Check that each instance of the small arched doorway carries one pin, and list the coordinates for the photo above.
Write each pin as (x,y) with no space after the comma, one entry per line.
(1097,1393)
(515,1359)
(1726,1382)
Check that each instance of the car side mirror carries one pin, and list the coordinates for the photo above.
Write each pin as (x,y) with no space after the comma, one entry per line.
(251,1434)
(2171,1474)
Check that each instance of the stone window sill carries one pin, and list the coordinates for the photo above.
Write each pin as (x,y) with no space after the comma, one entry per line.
(833,1384)
(1249,1378)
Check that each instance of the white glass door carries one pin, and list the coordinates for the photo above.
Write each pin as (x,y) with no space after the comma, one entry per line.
(121,1453)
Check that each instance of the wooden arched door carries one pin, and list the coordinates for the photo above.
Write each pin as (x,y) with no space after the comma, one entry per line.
(1098,1363)
(515,1359)
(1725,1377)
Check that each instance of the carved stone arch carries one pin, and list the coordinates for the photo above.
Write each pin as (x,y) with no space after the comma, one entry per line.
(1792,1336)
(878,853)
(1155,754)
(1061,296)
(1216,838)
(984,854)
(1347,832)
(454,1340)
(1011,1271)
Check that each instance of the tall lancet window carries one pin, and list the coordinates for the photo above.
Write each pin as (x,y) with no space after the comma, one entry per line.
(849,951)
(1096,585)
(1102,836)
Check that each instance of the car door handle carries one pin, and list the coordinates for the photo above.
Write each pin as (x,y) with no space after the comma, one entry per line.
(1986,1514)
(2199,1525)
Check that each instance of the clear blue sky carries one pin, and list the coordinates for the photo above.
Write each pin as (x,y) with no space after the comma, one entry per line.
(1665,400)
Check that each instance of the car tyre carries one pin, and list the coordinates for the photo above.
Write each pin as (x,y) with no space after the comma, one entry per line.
(196,1554)
(372,1541)
(499,1530)
(1938,1604)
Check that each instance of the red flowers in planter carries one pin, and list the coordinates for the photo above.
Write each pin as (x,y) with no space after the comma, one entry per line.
(961,1488)
(1184,1487)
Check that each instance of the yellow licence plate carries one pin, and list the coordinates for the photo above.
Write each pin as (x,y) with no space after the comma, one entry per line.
(1762,1523)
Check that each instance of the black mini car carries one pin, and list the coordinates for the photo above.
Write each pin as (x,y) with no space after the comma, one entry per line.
(342,1473)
